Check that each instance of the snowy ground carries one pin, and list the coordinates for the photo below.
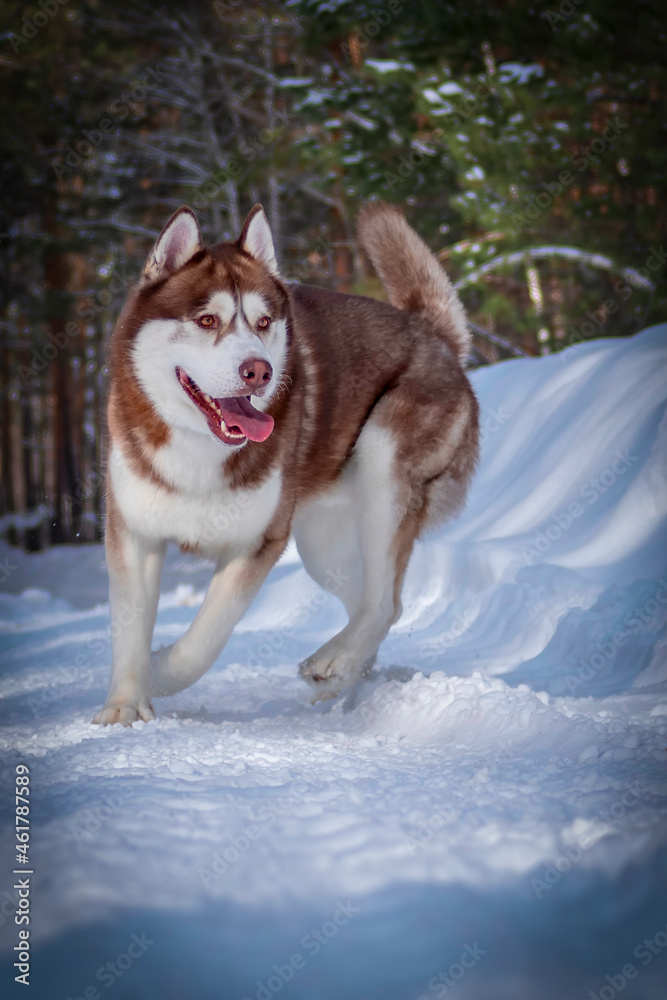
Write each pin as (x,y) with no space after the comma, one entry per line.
(485,817)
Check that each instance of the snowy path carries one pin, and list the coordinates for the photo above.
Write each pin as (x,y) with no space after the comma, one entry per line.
(485,817)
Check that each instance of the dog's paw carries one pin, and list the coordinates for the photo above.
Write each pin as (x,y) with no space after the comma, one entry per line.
(126,712)
(321,690)
(330,671)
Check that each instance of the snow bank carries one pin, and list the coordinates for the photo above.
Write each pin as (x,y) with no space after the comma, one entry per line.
(485,815)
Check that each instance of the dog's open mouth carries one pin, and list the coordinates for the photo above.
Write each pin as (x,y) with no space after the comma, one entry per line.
(233,420)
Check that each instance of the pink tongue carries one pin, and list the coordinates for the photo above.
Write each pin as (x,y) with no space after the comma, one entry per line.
(239,412)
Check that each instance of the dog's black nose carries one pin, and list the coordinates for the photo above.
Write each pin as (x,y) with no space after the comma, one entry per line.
(256,373)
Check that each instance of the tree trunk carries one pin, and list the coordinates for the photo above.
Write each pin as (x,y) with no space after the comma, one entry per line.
(6,469)
(67,522)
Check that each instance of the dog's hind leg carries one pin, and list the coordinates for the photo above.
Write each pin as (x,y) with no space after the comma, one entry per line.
(385,528)
(325,531)
(410,469)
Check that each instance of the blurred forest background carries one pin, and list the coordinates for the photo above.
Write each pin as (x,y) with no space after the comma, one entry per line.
(525,141)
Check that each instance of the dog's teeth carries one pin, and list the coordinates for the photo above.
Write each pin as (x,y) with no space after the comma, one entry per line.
(230,434)
(206,396)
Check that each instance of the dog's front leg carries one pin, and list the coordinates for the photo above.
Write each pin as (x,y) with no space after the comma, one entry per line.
(231,590)
(135,566)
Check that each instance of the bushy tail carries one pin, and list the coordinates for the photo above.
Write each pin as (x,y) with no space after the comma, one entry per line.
(411,274)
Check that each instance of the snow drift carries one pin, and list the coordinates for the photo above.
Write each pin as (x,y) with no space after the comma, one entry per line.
(485,816)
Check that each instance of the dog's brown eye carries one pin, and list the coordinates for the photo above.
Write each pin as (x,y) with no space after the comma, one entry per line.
(264,323)
(206,321)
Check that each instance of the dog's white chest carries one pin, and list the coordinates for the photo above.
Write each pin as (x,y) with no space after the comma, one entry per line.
(206,514)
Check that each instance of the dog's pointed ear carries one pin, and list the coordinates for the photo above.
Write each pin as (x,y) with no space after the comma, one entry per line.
(256,239)
(177,243)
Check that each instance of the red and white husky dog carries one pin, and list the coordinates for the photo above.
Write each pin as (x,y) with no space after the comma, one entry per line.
(243,409)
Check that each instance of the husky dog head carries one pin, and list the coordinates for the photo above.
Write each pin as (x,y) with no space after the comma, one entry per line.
(208,337)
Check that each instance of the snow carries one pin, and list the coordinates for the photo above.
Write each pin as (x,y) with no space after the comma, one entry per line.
(389,65)
(294,81)
(485,816)
(432,96)
(449,87)
(519,72)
